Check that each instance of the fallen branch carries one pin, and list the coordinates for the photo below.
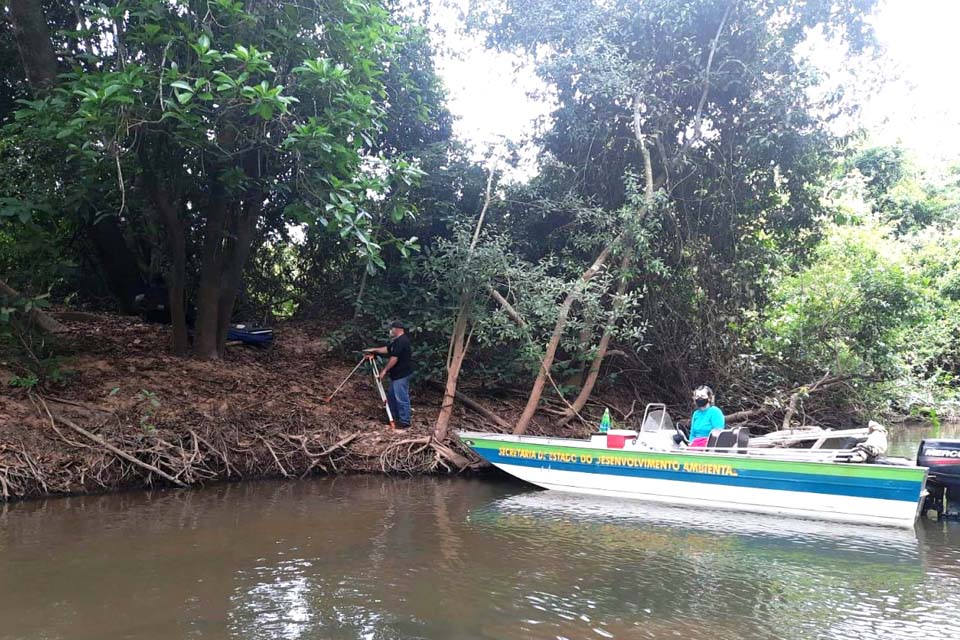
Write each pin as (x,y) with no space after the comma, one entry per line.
(507,307)
(37,317)
(774,404)
(476,406)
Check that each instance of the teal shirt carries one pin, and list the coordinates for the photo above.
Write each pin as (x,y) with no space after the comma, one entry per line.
(704,421)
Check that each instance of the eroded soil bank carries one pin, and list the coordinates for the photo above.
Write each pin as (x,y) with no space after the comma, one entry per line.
(128,414)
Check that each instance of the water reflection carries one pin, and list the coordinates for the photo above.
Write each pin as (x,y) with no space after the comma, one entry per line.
(763,576)
(904,440)
(428,558)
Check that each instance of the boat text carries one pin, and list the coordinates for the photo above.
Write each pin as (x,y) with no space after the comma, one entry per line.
(632,462)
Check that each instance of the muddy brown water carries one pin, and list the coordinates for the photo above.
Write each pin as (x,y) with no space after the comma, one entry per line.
(383,558)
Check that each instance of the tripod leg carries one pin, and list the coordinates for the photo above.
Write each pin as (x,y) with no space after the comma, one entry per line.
(335,391)
(383,394)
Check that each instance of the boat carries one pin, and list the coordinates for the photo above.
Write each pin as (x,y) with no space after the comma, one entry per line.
(653,465)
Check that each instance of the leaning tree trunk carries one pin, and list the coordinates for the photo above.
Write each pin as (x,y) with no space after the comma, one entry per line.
(459,339)
(625,262)
(37,317)
(572,296)
(459,342)
(591,380)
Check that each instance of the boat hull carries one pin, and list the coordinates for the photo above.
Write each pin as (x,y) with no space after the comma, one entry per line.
(856,493)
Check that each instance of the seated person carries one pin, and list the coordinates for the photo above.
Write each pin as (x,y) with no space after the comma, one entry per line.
(706,417)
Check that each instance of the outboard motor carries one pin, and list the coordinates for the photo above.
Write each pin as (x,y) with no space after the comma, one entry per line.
(942,458)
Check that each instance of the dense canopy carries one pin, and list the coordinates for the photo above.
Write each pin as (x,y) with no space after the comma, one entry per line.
(695,216)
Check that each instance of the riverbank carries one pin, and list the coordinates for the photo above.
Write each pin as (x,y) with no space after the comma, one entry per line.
(126,414)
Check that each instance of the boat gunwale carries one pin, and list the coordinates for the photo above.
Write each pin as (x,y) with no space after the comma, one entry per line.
(713,455)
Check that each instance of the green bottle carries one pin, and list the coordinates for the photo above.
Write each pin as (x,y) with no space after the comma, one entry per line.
(605,421)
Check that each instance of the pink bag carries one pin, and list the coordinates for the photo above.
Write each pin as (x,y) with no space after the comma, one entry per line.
(699,443)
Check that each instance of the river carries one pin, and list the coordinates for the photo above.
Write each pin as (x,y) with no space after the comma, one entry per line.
(382,558)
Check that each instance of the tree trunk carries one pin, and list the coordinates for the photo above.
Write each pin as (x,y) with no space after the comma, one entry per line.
(233,270)
(177,274)
(176,289)
(625,262)
(360,291)
(33,42)
(211,272)
(118,264)
(459,343)
(537,391)
(459,340)
(238,247)
(584,341)
(594,372)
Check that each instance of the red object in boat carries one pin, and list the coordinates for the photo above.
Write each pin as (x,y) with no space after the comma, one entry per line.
(617,438)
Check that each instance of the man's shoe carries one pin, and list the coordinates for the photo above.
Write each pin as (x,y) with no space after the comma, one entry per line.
(403,427)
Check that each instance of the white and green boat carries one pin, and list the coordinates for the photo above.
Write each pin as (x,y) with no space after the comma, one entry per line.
(647,465)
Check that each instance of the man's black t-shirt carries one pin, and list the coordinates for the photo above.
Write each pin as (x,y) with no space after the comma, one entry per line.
(400,349)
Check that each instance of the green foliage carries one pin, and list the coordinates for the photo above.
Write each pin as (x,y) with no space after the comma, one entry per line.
(876,306)
(148,403)
(897,192)
(319,127)
(844,313)
(740,152)
(24,382)
(883,167)
(24,348)
(426,292)
(234,116)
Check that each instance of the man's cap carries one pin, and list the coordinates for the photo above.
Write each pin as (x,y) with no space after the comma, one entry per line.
(398,324)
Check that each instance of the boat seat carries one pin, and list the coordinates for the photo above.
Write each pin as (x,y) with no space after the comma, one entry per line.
(736,438)
(726,439)
(712,439)
(743,439)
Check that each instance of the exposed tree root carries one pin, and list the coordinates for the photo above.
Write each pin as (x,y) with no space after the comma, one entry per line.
(111,455)
(425,455)
(131,415)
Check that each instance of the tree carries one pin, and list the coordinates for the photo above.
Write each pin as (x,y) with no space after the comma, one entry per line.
(460,336)
(899,192)
(738,147)
(201,123)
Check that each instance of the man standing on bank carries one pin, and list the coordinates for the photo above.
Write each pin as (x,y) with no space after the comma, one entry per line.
(400,367)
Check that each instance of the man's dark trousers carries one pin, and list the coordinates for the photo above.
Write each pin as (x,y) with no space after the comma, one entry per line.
(398,395)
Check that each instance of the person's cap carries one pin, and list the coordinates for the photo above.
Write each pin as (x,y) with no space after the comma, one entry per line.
(397,324)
